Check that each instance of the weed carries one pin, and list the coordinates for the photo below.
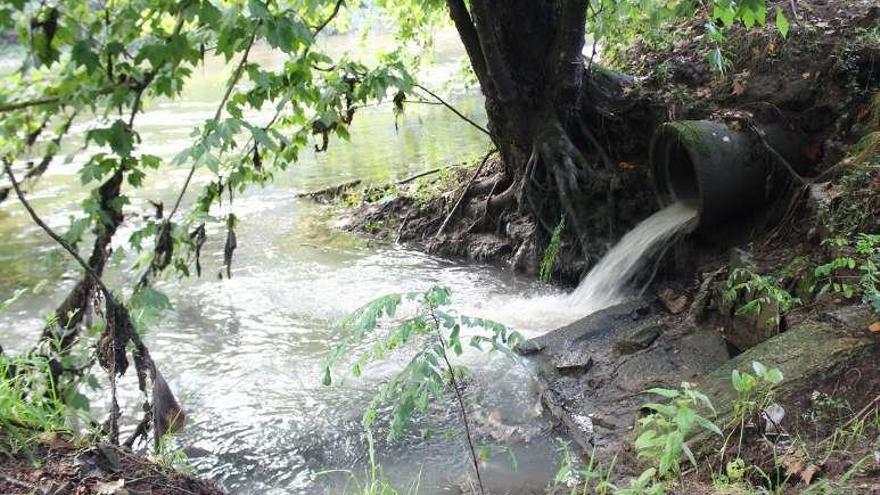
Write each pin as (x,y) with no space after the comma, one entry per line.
(552,252)
(854,272)
(757,292)
(664,432)
(171,457)
(29,403)
(583,480)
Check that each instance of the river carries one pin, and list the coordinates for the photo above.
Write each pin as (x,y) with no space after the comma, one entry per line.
(245,355)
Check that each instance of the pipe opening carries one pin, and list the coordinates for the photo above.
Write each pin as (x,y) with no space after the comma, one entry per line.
(681,176)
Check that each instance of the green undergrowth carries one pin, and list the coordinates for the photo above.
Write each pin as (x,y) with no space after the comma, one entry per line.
(29,404)
(799,464)
(846,263)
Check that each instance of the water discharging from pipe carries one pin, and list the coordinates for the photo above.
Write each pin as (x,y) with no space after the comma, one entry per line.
(622,273)
(617,274)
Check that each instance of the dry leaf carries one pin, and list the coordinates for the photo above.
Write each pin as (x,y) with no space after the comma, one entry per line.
(111,487)
(675,303)
(738,89)
(808,473)
(874,327)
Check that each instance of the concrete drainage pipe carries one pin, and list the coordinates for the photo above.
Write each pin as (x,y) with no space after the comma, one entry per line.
(721,172)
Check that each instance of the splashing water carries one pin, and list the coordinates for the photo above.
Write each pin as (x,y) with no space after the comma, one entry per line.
(613,279)
(624,270)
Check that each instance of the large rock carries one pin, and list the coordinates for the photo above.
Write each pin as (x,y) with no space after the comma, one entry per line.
(592,372)
(813,355)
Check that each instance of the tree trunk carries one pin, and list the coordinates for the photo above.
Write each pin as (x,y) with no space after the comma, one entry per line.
(550,111)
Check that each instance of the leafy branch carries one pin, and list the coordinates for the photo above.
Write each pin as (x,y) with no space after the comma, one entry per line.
(436,336)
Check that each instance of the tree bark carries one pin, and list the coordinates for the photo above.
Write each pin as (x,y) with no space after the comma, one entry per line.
(554,123)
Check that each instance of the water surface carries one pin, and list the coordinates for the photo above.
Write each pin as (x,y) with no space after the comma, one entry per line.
(245,355)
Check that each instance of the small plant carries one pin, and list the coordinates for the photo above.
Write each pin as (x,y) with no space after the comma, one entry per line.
(755,393)
(376,482)
(855,271)
(664,432)
(758,292)
(436,336)
(552,252)
(583,480)
(170,456)
(29,403)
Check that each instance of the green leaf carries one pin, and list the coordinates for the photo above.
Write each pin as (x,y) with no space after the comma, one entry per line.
(82,55)
(759,368)
(782,23)
(664,392)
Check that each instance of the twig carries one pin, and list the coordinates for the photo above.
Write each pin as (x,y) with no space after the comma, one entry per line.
(458,397)
(229,87)
(22,484)
(402,225)
(463,194)
(456,112)
(329,18)
(760,134)
(794,12)
(418,175)
(51,233)
(865,410)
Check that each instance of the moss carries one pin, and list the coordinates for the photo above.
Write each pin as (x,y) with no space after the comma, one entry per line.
(690,134)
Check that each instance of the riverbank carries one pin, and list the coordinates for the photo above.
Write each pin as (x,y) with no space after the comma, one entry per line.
(57,464)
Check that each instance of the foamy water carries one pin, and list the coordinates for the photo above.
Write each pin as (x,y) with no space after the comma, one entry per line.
(622,273)
(628,266)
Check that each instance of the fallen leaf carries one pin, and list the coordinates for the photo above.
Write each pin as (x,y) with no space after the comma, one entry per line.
(738,89)
(674,303)
(808,473)
(874,327)
(110,487)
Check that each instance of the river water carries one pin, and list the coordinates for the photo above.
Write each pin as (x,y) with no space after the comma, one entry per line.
(245,355)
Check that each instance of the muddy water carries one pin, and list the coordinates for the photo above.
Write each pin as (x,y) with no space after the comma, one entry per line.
(245,354)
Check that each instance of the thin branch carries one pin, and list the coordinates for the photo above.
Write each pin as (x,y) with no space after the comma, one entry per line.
(51,233)
(50,100)
(232,82)
(464,417)
(456,112)
(467,32)
(37,171)
(328,19)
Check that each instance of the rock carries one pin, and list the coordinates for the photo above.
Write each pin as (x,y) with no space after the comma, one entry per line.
(674,302)
(701,300)
(525,259)
(591,376)
(810,355)
(638,338)
(569,362)
(745,331)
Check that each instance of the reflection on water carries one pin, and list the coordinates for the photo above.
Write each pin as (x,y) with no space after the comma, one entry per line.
(246,354)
